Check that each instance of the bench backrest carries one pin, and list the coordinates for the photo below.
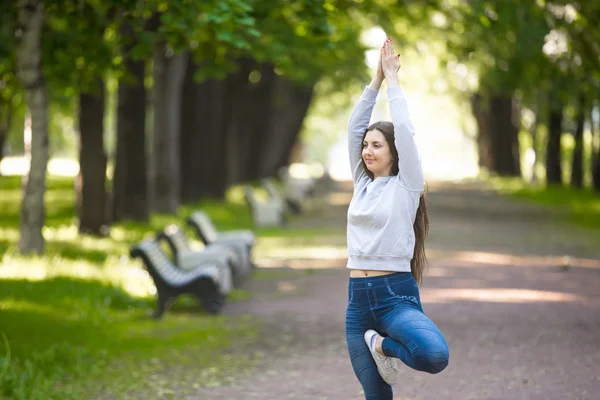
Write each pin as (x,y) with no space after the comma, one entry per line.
(175,237)
(157,262)
(206,229)
(270,188)
(250,196)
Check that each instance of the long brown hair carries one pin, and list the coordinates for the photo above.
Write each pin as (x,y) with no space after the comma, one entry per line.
(418,264)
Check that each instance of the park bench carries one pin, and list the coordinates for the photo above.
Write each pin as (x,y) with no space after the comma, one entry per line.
(265,213)
(293,201)
(297,189)
(207,282)
(240,241)
(187,258)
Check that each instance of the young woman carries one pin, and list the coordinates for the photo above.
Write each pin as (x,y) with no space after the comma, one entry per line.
(387,225)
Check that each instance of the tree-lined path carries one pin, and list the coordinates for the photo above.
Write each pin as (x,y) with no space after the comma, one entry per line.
(119,118)
(514,290)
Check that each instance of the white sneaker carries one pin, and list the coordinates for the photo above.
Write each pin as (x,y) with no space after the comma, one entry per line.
(387,366)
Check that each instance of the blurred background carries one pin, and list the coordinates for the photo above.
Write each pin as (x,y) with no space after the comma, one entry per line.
(120,117)
(176,102)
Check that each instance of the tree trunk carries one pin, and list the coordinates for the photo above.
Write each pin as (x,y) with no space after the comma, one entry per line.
(256,115)
(595,131)
(118,179)
(169,72)
(3,134)
(596,173)
(236,100)
(534,135)
(281,111)
(5,123)
(480,111)
(235,130)
(497,133)
(577,164)
(188,123)
(302,99)
(91,182)
(553,166)
(31,19)
(266,117)
(289,104)
(203,161)
(130,184)
(504,136)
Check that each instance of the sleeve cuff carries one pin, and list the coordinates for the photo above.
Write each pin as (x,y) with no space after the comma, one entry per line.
(395,92)
(370,94)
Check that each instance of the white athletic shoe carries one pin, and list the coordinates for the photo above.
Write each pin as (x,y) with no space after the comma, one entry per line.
(387,366)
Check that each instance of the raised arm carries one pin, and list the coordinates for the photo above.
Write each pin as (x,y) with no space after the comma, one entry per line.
(359,122)
(409,161)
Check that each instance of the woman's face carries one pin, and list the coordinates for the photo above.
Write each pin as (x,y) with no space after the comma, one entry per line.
(377,154)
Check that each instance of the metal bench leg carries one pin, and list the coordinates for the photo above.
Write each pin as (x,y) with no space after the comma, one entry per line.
(164,301)
(239,278)
(294,206)
(253,266)
(211,298)
(214,304)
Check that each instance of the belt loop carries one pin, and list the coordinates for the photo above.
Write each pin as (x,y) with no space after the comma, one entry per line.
(387,282)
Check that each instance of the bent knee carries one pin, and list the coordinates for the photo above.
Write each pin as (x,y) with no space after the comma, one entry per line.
(434,361)
(438,364)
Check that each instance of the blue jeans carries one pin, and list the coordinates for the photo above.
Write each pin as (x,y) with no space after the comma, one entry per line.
(391,305)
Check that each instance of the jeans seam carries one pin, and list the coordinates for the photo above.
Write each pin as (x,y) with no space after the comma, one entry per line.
(371,306)
(402,297)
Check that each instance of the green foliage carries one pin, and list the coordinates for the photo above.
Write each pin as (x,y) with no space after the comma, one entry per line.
(82,41)
(11,97)
(75,49)
(9,92)
(516,48)
(308,39)
(581,207)
(500,41)
(222,24)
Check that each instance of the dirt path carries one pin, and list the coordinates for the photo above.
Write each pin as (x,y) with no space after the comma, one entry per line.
(519,324)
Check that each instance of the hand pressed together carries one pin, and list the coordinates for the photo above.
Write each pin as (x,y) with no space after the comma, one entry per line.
(387,66)
(389,61)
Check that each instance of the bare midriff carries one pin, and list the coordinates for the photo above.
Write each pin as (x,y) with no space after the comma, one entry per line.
(364,273)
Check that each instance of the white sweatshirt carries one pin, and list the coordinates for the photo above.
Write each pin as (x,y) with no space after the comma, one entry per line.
(382,211)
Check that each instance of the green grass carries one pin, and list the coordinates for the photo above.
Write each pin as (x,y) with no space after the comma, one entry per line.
(75,323)
(76,338)
(579,206)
